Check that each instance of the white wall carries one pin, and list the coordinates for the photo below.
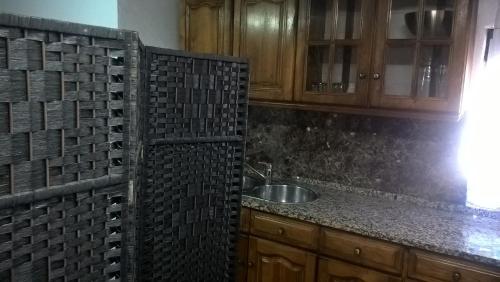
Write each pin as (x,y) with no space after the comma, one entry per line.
(93,12)
(157,21)
(485,19)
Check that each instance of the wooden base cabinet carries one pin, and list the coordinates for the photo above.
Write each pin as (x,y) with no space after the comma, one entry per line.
(242,259)
(296,251)
(330,270)
(274,262)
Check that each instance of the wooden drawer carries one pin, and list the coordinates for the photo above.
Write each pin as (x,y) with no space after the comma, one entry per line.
(334,270)
(361,250)
(285,230)
(429,267)
(244,220)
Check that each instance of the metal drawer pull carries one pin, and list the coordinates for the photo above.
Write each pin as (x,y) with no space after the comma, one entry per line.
(281,231)
(357,251)
(456,276)
(376,76)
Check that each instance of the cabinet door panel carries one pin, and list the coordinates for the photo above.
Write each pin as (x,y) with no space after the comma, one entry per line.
(205,26)
(266,33)
(334,51)
(420,54)
(242,260)
(330,270)
(274,262)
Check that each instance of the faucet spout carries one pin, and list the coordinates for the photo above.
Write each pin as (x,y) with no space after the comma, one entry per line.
(266,175)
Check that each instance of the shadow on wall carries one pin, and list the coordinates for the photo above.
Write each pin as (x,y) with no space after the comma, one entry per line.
(412,157)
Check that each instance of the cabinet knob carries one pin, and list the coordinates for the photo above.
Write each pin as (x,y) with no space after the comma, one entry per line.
(362,76)
(281,231)
(250,264)
(456,276)
(357,251)
(376,76)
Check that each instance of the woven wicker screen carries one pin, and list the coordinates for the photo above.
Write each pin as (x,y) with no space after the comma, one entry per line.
(191,199)
(66,92)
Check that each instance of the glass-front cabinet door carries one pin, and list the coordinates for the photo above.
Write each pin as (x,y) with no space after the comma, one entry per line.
(419,58)
(334,51)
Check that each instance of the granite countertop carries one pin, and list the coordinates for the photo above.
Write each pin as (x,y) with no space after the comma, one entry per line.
(463,234)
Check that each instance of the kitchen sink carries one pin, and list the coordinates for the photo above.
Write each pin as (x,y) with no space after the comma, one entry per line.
(283,193)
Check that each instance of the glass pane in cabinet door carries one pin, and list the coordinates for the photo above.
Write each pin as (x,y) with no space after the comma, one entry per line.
(348,19)
(398,76)
(438,18)
(403,19)
(317,69)
(345,70)
(432,70)
(320,20)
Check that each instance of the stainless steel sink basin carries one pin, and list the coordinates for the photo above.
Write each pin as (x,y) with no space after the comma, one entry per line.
(283,193)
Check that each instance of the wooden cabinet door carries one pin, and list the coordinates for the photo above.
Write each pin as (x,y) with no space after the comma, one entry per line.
(334,51)
(242,259)
(273,262)
(206,26)
(420,56)
(265,33)
(330,270)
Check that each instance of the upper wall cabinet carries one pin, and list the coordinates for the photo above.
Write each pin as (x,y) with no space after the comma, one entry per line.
(405,58)
(420,54)
(265,33)
(334,52)
(206,26)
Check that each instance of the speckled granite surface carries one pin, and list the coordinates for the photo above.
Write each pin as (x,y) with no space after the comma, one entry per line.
(403,156)
(463,234)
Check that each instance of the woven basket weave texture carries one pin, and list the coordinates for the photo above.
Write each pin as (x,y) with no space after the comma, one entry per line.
(191,199)
(66,92)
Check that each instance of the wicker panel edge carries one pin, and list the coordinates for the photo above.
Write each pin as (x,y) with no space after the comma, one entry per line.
(61,26)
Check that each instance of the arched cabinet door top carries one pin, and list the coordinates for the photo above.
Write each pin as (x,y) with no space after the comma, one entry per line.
(265,33)
(206,26)
(271,261)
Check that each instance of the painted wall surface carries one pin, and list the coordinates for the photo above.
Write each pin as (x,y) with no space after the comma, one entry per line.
(157,21)
(93,12)
(487,11)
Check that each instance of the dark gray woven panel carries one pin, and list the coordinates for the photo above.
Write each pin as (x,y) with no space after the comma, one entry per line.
(61,108)
(73,237)
(191,206)
(68,129)
(196,97)
(190,202)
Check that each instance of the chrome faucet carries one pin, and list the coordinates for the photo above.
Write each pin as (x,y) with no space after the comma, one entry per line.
(267,175)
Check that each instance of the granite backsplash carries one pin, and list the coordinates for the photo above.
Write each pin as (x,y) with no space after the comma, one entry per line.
(411,157)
